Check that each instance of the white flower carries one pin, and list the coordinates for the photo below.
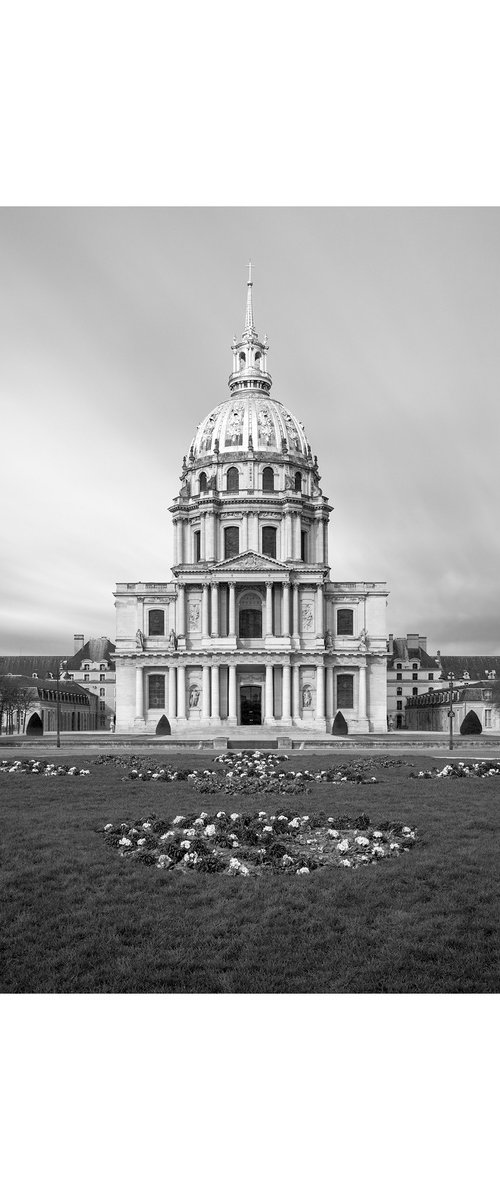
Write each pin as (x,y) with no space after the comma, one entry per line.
(163,861)
(125,842)
(166,836)
(377,834)
(154,775)
(406,829)
(147,825)
(287,860)
(141,841)
(294,824)
(262,814)
(177,820)
(210,830)
(302,871)
(362,841)
(267,829)
(108,827)
(198,821)
(343,845)
(345,862)
(235,816)
(220,814)
(191,833)
(394,846)
(203,816)
(379,851)
(185,845)
(333,833)
(282,818)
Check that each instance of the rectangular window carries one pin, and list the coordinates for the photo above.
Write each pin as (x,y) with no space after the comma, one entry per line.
(156,691)
(345,691)
(231,541)
(431,675)
(197,545)
(102,691)
(414,691)
(102,705)
(399,675)
(269,541)
(345,622)
(399,705)
(415,675)
(102,678)
(487,718)
(303,545)
(86,678)
(156,624)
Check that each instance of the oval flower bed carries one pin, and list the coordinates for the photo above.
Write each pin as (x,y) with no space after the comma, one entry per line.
(38,766)
(459,771)
(251,844)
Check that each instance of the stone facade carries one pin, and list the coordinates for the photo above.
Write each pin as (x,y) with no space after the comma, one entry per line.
(250,630)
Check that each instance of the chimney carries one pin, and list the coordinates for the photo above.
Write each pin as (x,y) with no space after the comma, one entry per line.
(422,641)
(412,641)
(78,642)
(390,644)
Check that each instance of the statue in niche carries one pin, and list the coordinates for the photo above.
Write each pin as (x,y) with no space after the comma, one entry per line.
(194,696)
(172,640)
(292,434)
(328,639)
(234,428)
(266,428)
(363,637)
(139,639)
(306,696)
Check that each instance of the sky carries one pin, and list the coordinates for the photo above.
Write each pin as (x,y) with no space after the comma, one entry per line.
(115,333)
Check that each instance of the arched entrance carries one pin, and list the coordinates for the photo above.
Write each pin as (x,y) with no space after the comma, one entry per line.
(35,726)
(471,723)
(339,727)
(163,727)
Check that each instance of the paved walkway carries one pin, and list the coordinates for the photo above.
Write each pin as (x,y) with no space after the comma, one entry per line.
(392,745)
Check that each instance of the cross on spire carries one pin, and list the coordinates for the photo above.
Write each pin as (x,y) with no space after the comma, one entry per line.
(249,325)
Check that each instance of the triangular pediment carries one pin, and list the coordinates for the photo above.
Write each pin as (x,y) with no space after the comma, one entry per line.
(248,561)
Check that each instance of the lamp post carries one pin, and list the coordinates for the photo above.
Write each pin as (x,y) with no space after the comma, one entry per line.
(451,714)
(59,672)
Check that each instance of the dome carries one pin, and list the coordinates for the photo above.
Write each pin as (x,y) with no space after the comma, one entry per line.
(250,422)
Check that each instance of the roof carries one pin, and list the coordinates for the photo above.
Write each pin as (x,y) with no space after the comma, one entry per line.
(95,650)
(403,654)
(28,664)
(468,693)
(476,664)
(67,686)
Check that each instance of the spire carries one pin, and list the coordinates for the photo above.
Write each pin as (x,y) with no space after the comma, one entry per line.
(249,325)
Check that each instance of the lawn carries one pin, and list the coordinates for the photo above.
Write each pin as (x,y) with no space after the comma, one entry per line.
(77,917)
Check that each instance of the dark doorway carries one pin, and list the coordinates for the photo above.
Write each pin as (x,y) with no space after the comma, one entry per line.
(471,723)
(35,725)
(163,727)
(339,728)
(251,706)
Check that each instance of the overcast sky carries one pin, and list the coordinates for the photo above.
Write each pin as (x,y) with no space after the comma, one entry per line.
(115,332)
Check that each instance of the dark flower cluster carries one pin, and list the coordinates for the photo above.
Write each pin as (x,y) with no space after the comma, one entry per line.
(251,844)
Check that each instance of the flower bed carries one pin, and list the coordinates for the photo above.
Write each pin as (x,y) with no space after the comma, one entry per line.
(38,766)
(243,773)
(459,771)
(252,844)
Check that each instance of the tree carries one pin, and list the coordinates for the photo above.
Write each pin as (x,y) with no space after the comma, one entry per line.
(15,700)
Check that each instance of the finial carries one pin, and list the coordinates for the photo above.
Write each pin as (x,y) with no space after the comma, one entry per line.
(249,325)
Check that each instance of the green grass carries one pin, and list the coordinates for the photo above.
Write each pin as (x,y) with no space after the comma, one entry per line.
(78,918)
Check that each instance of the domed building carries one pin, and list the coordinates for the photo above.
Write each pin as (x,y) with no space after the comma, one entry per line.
(250,631)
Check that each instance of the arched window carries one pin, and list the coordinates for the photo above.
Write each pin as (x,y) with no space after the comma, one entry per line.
(156,691)
(268,479)
(242,360)
(156,626)
(399,691)
(298,481)
(257,358)
(231,541)
(203,481)
(345,623)
(269,541)
(233,480)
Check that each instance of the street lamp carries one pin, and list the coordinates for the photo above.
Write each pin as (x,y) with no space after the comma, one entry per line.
(451,714)
(60,671)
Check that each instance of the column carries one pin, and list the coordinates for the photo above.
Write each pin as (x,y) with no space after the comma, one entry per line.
(329,692)
(140,616)
(210,535)
(288,535)
(203,536)
(244,532)
(232,692)
(320,692)
(295,623)
(319,611)
(285,611)
(204,611)
(176,540)
(297,532)
(232,610)
(325,541)
(319,541)
(215,610)
(139,694)
(295,691)
(362,694)
(269,609)
(205,692)
(172,692)
(181,692)
(215,693)
(269,694)
(181,610)
(286,710)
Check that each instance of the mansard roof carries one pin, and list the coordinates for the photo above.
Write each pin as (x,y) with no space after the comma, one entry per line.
(95,650)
